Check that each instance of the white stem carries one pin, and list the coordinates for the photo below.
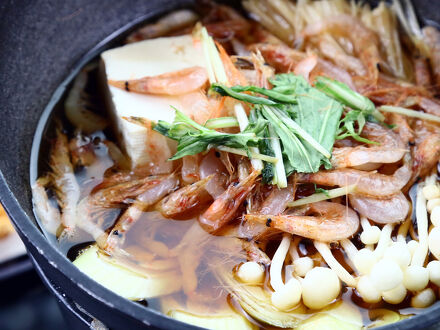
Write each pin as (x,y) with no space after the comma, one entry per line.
(206,45)
(410,113)
(422,228)
(431,180)
(276,266)
(243,121)
(403,231)
(342,273)
(288,273)
(384,241)
(351,251)
(293,250)
(241,152)
(349,248)
(365,223)
(280,174)
(241,116)
(332,193)
(216,71)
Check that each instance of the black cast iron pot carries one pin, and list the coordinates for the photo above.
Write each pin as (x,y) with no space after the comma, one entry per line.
(42,46)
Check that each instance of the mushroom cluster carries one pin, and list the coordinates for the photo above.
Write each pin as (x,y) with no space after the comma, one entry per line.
(387,268)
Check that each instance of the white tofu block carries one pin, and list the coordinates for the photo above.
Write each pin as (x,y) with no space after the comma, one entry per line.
(135,61)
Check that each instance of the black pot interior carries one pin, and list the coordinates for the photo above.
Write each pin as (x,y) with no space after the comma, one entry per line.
(44,44)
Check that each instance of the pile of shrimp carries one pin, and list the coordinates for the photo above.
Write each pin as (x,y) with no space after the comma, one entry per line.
(229,211)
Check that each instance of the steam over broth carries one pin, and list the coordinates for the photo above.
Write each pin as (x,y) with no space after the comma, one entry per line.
(264,172)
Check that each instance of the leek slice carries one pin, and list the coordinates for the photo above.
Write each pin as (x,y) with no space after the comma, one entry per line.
(123,281)
(257,302)
(218,321)
(339,316)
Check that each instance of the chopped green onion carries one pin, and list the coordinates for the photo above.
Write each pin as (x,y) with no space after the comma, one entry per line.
(332,193)
(242,152)
(280,178)
(221,122)
(227,91)
(344,94)
(273,94)
(410,113)
(242,118)
(216,71)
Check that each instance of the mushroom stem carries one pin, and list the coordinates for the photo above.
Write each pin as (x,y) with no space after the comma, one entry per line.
(422,226)
(365,223)
(342,273)
(293,250)
(370,234)
(403,230)
(384,240)
(351,251)
(276,266)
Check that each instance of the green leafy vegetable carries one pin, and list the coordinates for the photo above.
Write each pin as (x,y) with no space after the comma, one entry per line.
(305,119)
(293,125)
(347,127)
(194,138)
(362,108)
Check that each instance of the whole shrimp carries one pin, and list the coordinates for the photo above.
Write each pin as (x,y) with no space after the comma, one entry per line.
(170,83)
(63,178)
(326,222)
(391,210)
(124,192)
(150,196)
(47,213)
(172,22)
(275,203)
(185,200)
(333,51)
(365,41)
(402,127)
(279,56)
(225,206)
(225,23)
(390,150)
(285,59)
(426,154)
(367,183)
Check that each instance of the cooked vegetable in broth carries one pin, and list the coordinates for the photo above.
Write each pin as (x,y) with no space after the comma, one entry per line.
(272,168)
